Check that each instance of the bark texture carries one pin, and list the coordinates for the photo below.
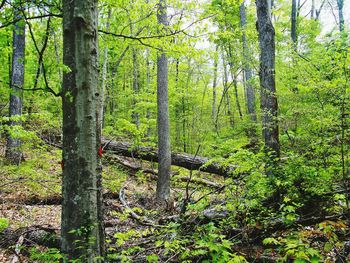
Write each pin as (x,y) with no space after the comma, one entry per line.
(269,106)
(81,226)
(164,157)
(13,152)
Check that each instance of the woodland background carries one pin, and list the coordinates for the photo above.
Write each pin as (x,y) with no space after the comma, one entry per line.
(259,207)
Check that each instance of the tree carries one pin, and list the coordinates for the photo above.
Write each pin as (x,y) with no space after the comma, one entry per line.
(81,225)
(13,151)
(293,32)
(250,93)
(163,183)
(268,100)
(340,4)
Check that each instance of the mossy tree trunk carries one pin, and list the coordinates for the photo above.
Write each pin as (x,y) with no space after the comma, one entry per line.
(13,152)
(269,106)
(81,226)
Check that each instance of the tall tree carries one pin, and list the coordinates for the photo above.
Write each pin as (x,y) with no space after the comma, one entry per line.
(13,151)
(250,93)
(293,31)
(81,224)
(215,78)
(340,4)
(269,106)
(163,183)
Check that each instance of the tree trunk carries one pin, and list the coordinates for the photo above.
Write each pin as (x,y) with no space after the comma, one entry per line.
(312,12)
(250,93)
(164,161)
(269,106)
(293,31)
(148,90)
(235,85)
(136,88)
(247,79)
(226,93)
(13,152)
(215,78)
(81,221)
(341,15)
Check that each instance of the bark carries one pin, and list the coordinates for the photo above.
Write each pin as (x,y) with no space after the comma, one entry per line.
(340,4)
(177,106)
(293,32)
(81,221)
(269,106)
(13,152)
(187,161)
(164,157)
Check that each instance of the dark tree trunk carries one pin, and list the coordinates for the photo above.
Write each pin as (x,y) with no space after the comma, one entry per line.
(13,152)
(341,15)
(164,161)
(269,106)
(312,12)
(81,222)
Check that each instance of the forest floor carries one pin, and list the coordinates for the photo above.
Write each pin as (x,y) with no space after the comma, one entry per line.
(140,230)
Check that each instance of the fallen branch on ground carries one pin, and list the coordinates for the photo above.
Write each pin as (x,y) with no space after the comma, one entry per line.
(187,161)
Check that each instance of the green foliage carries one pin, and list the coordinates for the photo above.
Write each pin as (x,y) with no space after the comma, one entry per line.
(52,255)
(4,223)
(295,247)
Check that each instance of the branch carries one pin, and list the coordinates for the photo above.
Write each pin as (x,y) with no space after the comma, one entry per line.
(155,36)
(30,18)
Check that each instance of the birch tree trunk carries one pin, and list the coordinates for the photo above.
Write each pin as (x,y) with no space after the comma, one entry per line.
(164,161)
(81,219)
(269,106)
(13,152)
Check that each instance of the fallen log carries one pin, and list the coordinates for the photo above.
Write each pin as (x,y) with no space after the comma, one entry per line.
(133,167)
(150,154)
